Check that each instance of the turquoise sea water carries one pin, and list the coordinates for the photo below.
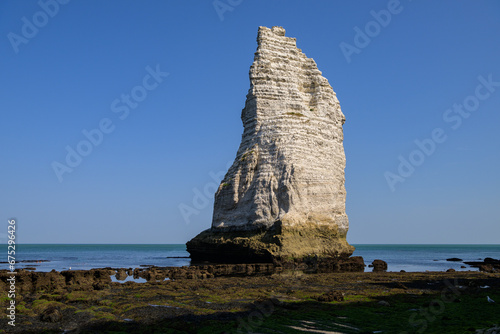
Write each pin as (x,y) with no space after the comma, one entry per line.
(426,257)
(89,256)
(398,257)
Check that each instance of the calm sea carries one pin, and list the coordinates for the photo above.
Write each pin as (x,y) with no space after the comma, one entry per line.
(398,257)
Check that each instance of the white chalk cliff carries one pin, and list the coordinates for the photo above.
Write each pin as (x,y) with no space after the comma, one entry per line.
(284,195)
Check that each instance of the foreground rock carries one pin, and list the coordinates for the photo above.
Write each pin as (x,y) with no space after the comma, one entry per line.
(283,199)
(51,314)
(83,280)
(264,303)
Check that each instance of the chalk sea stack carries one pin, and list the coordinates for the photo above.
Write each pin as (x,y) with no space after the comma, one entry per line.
(283,199)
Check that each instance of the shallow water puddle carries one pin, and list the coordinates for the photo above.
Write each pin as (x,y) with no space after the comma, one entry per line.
(309,326)
(128,279)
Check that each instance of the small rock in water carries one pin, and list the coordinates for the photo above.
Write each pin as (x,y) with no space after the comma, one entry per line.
(451,270)
(121,274)
(379,265)
(490,260)
(454,259)
(383,303)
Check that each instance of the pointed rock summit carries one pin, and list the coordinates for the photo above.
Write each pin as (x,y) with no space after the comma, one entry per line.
(283,199)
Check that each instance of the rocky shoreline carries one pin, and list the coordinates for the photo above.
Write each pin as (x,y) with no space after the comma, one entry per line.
(97,279)
(28,280)
(196,298)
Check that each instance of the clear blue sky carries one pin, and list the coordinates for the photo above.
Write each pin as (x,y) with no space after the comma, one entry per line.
(71,72)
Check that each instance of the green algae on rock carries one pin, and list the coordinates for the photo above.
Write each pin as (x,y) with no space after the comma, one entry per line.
(280,244)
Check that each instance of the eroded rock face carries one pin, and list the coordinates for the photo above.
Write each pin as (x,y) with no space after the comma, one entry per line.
(284,195)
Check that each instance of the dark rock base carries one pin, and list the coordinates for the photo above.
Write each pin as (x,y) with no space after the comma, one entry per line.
(280,244)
